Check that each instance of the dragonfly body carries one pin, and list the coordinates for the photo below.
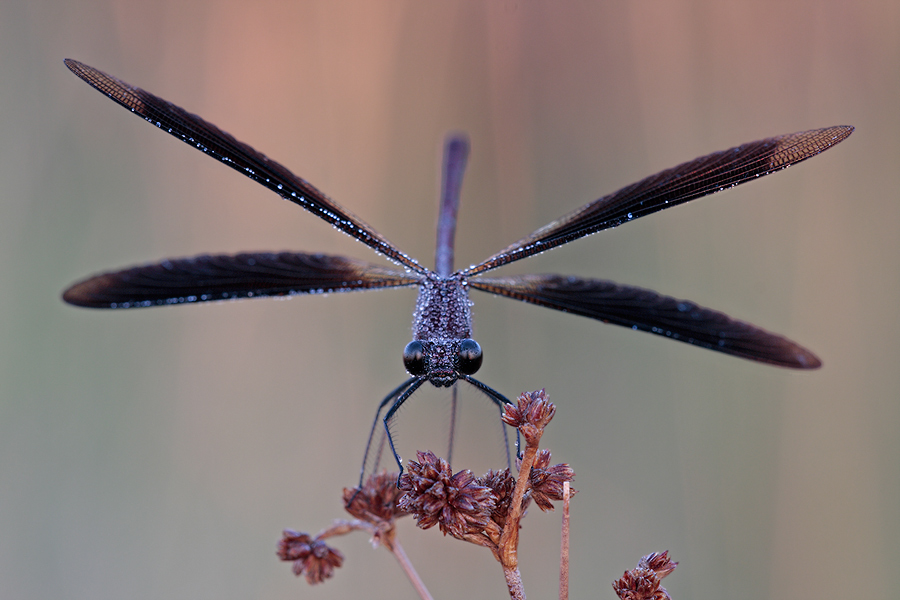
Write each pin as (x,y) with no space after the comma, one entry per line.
(442,350)
(441,323)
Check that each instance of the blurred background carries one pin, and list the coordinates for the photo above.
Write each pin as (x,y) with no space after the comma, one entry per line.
(159,453)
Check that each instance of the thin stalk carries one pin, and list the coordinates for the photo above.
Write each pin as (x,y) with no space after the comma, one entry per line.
(408,568)
(564,547)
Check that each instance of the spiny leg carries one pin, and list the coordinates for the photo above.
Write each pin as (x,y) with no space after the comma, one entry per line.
(500,400)
(399,390)
(417,381)
(454,413)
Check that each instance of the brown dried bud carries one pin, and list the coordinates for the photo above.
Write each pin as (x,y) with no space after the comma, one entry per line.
(533,412)
(501,484)
(659,563)
(311,557)
(378,500)
(457,503)
(643,582)
(547,482)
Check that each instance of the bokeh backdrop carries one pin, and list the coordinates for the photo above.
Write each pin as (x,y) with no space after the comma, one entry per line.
(159,453)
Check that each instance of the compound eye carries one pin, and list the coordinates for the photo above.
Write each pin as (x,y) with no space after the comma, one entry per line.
(414,358)
(469,356)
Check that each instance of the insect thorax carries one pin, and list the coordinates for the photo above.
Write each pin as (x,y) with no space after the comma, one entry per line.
(443,310)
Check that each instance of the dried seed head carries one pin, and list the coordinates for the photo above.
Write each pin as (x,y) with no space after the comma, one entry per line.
(501,484)
(377,501)
(659,563)
(643,582)
(311,557)
(532,413)
(457,503)
(547,482)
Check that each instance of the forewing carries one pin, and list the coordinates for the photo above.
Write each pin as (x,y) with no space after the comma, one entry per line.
(211,140)
(646,310)
(694,179)
(209,278)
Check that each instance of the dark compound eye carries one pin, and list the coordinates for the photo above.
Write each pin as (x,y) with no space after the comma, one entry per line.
(469,356)
(414,358)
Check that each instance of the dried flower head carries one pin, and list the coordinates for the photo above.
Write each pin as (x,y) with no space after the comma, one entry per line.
(547,482)
(377,502)
(532,413)
(643,582)
(659,563)
(311,557)
(457,503)
(501,484)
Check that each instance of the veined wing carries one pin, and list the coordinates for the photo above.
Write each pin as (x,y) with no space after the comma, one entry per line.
(209,278)
(694,179)
(211,140)
(646,310)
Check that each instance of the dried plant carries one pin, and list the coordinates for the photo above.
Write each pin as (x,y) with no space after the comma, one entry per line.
(486,511)
(457,503)
(643,582)
(311,557)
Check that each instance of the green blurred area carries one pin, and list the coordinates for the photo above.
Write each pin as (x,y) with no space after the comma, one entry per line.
(159,453)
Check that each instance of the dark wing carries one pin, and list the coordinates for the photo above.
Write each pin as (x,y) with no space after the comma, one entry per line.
(699,177)
(224,277)
(646,310)
(210,140)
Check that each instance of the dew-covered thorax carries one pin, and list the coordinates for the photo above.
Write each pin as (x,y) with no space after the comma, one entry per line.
(443,310)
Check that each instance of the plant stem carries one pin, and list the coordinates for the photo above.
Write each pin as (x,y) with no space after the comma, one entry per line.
(564,547)
(405,564)
(509,540)
(514,583)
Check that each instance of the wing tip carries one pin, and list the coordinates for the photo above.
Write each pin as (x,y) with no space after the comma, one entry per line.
(75,66)
(81,295)
(793,356)
(842,132)
(806,360)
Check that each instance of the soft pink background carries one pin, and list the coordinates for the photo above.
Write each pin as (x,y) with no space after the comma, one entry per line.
(158,454)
